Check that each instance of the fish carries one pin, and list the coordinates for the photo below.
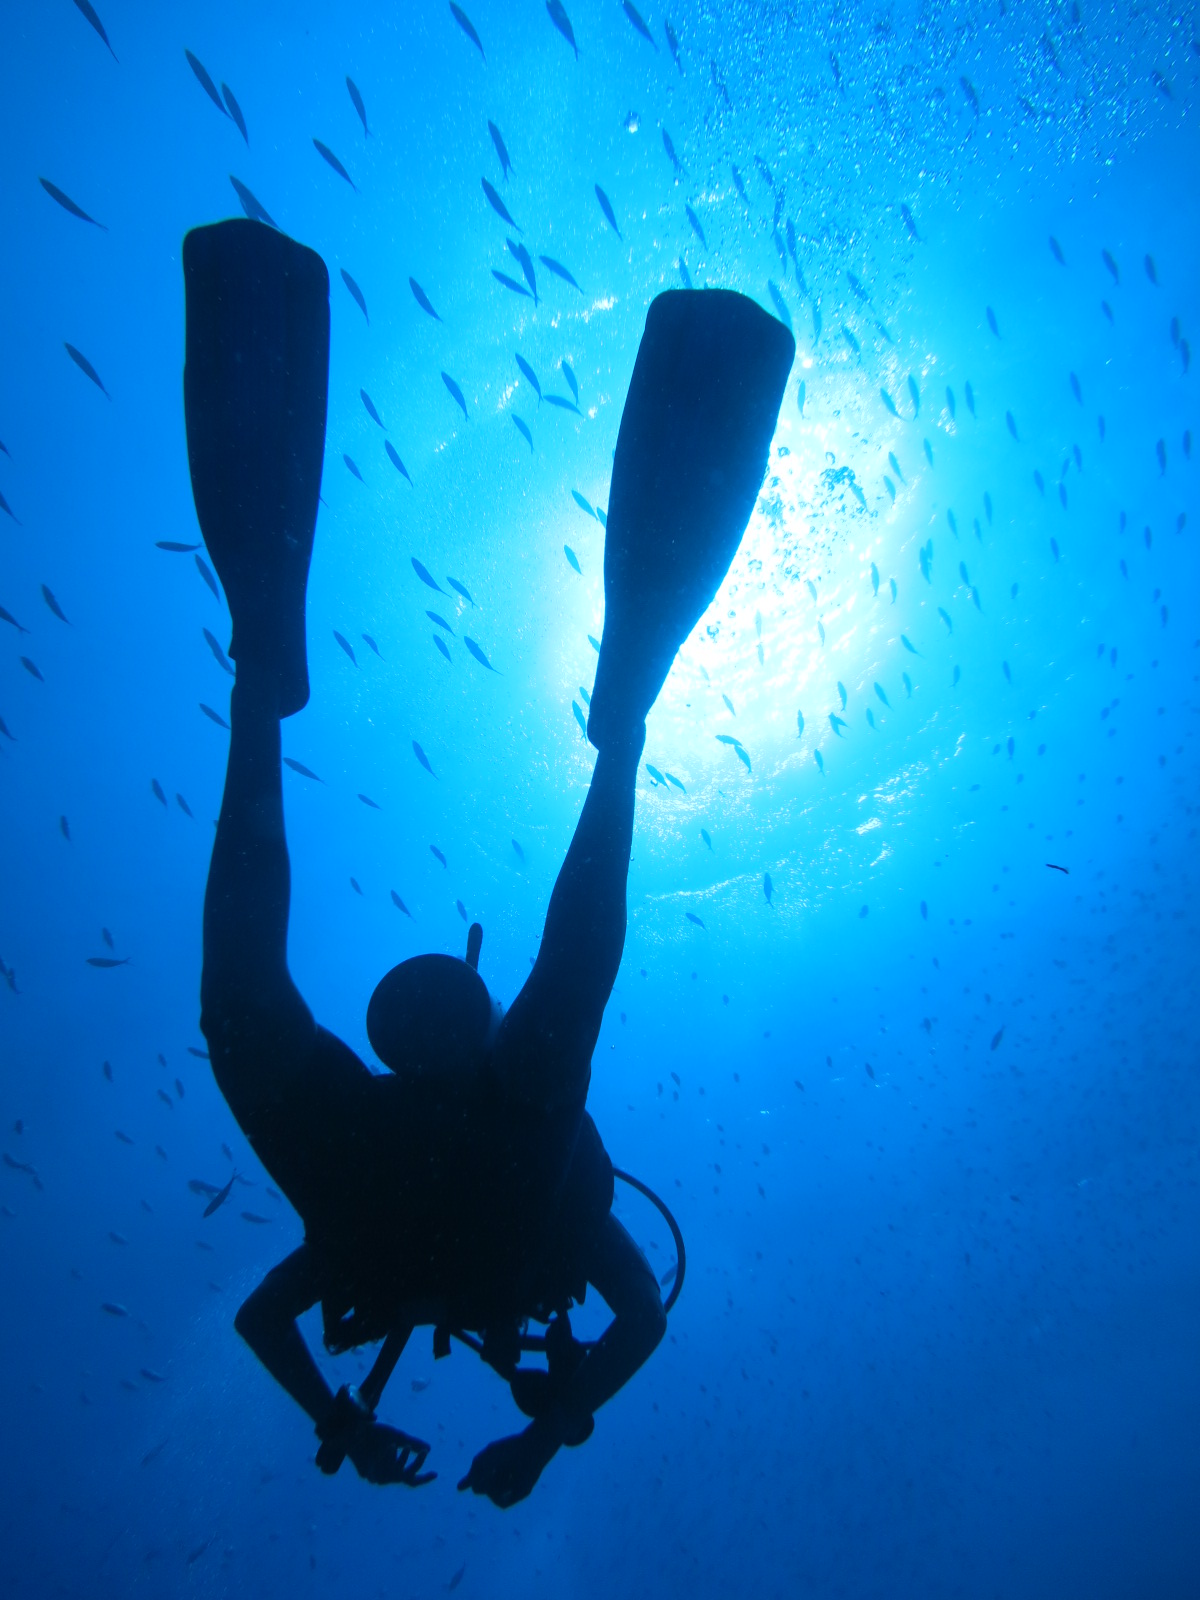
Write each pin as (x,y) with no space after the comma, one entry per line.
(908,688)
(837,723)
(572,381)
(743,757)
(916,395)
(692,917)
(214,716)
(235,111)
(458,589)
(820,760)
(562,22)
(175,546)
(506,165)
(89,12)
(346,646)
(907,218)
(424,760)
(64,828)
(559,271)
(435,851)
(895,465)
(523,429)
(465,23)
(1054,867)
(580,502)
(112,1307)
(727,738)
(739,185)
(768,886)
(579,718)
(704,834)
(879,690)
(298,766)
(253,1216)
(356,101)
(356,294)
(526,260)
(928,451)
(422,299)
(953,521)
(398,464)
(367,801)
(672,779)
(785,315)
(594,642)
(1056,251)
(456,393)
(205,82)
(327,154)
(369,404)
(729,704)
(497,205)
(1011,424)
(7,616)
(108,961)
(219,655)
(1007,671)
(874,579)
(636,20)
(908,645)
(572,558)
(950,406)
(441,645)
(992,324)
(800,394)
(65,201)
(511,283)
(1160,452)
(970,394)
(399,904)
(656,775)
(968,89)
(206,573)
(252,205)
(86,367)
(48,597)
(851,340)
(219,1199)
(669,147)
(871,719)
(841,689)
(945,616)
(893,588)
(31,667)
(356,886)
(696,228)
(606,203)
(858,289)
(478,653)
(889,402)
(987,506)
(531,375)
(1114,270)
(996,1038)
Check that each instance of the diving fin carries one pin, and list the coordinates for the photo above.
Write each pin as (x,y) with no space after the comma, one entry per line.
(254,389)
(691,453)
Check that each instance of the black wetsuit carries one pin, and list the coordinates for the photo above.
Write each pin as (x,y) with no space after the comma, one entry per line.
(483,1203)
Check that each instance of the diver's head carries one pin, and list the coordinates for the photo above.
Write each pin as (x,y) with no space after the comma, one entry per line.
(433,1015)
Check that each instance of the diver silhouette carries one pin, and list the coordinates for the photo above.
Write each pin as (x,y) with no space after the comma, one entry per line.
(466,1187)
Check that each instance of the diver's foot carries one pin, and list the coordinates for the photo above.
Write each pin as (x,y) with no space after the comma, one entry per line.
(691,453)
(255,385)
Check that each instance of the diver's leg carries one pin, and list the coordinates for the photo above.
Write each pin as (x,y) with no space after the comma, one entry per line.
(258,1028)
(544,1050)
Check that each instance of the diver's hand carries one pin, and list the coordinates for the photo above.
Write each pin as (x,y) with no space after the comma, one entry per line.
(382,1455)
(507,1470)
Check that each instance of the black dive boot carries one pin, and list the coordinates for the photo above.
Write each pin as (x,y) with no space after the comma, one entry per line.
(254,390)
(691,453)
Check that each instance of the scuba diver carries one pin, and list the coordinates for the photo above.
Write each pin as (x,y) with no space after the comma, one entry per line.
(466,1187)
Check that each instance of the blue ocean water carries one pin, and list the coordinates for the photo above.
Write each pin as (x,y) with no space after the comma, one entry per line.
(920,1081)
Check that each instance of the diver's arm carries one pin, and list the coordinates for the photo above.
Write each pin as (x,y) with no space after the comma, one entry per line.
(507,1470)
(619,1270)
(267,1322)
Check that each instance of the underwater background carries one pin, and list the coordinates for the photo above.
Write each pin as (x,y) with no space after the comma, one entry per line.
(906,1029)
